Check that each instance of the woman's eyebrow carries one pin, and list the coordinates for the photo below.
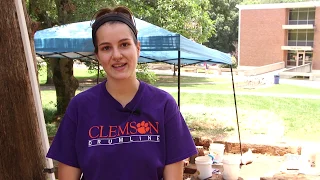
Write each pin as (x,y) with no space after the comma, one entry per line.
(104,43)
(124,39)
(107,43)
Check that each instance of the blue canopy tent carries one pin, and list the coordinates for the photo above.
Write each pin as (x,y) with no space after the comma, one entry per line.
(157,44)
(74,41)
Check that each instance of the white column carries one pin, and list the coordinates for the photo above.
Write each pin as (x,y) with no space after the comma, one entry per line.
(239,35)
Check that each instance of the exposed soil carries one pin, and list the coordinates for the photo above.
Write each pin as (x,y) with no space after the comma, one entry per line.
(263,167)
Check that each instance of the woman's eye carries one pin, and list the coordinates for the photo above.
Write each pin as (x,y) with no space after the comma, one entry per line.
(106,48)
(125,44)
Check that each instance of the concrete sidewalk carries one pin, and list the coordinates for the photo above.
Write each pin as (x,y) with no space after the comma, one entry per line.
(269,77)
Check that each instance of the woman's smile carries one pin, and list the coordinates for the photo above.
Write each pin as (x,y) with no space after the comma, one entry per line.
(119,67)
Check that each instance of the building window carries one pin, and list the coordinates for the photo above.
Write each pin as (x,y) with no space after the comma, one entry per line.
(301,16)
(300,37)
(292,57)
(308,58)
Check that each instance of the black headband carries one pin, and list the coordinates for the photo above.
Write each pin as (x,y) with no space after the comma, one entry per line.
(111,17)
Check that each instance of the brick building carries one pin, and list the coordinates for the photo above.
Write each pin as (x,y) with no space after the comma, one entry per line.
(284,32)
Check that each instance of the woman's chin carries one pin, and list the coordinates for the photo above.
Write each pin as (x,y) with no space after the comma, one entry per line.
(121,77)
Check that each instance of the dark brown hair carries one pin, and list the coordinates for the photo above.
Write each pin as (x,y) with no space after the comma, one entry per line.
(121,11)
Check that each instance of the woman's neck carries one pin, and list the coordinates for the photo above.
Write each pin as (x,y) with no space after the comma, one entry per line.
(123,90)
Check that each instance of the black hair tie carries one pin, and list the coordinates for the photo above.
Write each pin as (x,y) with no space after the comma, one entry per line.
(111,17)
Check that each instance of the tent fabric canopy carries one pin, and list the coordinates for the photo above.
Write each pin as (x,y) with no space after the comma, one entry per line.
(157,44)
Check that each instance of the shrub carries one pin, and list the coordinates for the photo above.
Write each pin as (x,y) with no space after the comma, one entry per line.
(51,129)
(233,61)
(145,75)
(93,68)
(49,111)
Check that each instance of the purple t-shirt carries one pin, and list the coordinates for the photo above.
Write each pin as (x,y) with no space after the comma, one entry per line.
(107,141)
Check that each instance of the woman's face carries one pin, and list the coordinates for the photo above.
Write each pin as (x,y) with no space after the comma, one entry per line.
(117,52)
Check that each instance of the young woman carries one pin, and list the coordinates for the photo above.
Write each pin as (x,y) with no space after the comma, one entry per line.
(122,128)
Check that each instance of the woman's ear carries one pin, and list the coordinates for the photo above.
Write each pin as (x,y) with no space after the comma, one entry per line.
(138,48)
(96,55)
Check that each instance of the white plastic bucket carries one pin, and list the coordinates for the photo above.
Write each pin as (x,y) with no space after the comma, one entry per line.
(204,166)
(231,168)
(310,156)
(217,151)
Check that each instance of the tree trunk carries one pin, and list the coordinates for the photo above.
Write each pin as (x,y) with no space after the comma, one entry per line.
(21,153)
(65,83)
(49,73)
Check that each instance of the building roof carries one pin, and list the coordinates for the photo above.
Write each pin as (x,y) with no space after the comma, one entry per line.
(309,4)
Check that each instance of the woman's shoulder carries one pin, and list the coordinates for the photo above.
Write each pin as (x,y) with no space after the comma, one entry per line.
(158,97)
(155,91)
(84,100)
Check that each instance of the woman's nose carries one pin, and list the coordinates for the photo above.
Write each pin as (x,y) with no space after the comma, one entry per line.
(116,54)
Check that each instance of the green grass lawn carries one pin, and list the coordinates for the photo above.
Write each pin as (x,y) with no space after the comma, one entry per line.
(298,115)
(225,84)
(79,73)
(289,89)
(169,79)
(279,88)
(218,83)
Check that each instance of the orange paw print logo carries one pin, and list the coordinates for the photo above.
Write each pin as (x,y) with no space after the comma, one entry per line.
(143,127)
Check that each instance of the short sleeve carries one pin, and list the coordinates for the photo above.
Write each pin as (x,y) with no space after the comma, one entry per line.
(179,142)
(63,146)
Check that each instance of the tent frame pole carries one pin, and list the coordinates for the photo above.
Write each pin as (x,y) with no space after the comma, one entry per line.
(98,76)
(179,65)
(235,104)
